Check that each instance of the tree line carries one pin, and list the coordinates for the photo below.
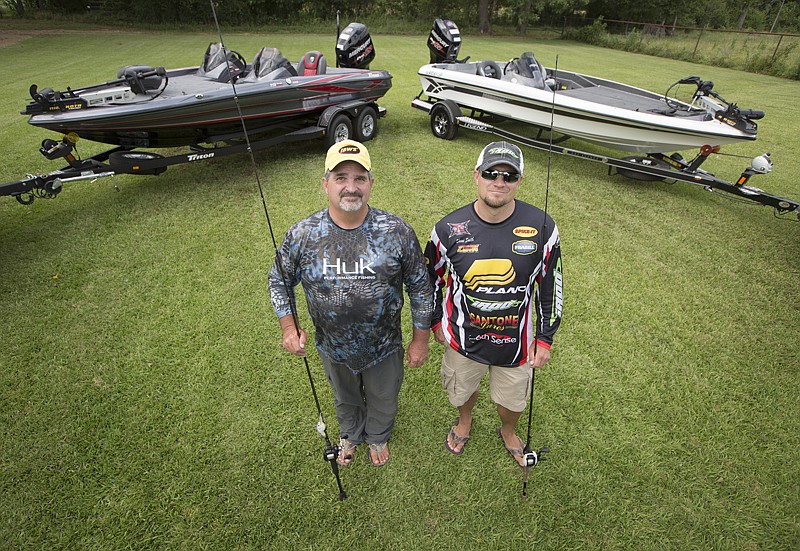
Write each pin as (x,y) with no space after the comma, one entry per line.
(471,15)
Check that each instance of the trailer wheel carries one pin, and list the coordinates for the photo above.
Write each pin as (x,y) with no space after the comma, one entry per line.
(443,119)
(366,125)
(340,128)
(136,162)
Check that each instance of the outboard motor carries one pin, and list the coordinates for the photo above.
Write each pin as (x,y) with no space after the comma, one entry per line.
(354,48)
(444,42)
(142,78)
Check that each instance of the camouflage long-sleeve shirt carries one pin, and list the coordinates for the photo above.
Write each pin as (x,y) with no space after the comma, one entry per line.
(353,281)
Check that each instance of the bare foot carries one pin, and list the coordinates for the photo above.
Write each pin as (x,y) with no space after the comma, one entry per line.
(379,454)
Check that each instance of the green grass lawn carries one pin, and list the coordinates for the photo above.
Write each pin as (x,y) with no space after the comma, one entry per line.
(147,402)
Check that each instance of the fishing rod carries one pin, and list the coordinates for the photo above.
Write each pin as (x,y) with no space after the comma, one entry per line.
(331,451)
(531,458)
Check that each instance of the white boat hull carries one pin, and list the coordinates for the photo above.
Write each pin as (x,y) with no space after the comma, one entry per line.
(614,126)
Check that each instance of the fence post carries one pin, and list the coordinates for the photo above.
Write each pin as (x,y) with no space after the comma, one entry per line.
(776,49)
(698,41)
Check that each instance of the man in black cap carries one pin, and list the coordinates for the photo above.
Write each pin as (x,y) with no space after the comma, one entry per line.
(498,261)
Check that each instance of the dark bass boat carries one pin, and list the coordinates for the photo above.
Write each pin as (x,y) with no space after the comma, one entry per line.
(205,107)
(566,104)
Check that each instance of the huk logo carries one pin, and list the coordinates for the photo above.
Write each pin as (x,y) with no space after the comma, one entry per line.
(348,270)
(349,150)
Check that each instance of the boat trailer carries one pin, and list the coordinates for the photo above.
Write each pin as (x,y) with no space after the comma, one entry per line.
(126,160)
(446,119)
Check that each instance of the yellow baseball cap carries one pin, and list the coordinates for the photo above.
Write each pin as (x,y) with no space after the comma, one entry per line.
(347,150)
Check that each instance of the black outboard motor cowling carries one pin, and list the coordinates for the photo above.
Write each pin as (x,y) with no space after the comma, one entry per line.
(444,42)
(354,48)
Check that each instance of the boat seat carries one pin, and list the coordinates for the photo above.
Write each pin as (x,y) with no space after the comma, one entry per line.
(527,70)
(489,69)
(270,64)
(313,63)
(221,64)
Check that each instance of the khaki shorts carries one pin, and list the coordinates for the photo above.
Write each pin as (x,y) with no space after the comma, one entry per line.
(461,377)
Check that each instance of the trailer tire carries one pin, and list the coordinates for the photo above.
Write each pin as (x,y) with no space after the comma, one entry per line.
(136,162)
(340,128)
(443,119)
(366,125)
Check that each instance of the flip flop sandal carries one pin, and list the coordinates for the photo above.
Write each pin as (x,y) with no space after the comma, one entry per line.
(456,439)
(377,448)
(513,452)
(347,452)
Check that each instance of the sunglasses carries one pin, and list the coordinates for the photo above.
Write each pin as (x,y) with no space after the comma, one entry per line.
(508,177)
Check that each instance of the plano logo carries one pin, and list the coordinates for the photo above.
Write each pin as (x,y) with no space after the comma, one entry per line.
(349,150)
(489,271)
(525,231)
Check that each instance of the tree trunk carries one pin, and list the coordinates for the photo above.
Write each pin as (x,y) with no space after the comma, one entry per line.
(484,23)
(526,17)
(20,7)
(742,17)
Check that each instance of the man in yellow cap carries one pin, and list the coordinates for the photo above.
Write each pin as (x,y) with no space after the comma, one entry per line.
(353,261)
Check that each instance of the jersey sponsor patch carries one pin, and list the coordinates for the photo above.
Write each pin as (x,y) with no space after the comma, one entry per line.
(468,248)
(495,338)
(492,305)
(459,228)
(497,323)
(489,271)
(525,231)
(524,246)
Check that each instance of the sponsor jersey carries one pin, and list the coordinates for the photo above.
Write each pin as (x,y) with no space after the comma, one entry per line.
(353,282)
(498,281)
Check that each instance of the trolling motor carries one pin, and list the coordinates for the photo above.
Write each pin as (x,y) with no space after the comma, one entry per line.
(723,111)
(132,80)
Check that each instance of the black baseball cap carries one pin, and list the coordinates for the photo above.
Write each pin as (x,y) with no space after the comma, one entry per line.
(497,153)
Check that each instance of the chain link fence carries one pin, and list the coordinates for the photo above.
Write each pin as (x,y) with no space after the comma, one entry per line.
(776,54)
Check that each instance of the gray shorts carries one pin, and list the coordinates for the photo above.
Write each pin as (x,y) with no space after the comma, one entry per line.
(508,386)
